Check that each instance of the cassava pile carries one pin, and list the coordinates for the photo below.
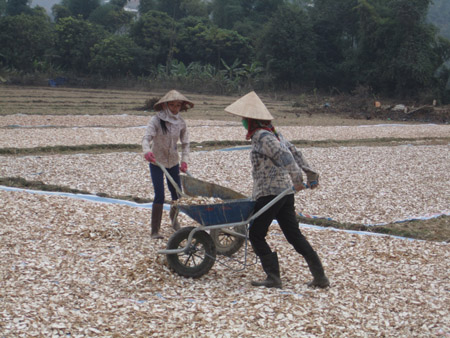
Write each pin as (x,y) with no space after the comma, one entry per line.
(197,200)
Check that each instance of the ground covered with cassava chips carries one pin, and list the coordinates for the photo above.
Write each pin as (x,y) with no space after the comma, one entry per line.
(83,269)
(76,268)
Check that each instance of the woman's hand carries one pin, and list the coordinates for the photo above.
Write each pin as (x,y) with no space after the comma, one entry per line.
(313,184)
(183,167)
(298,187)
(150,157)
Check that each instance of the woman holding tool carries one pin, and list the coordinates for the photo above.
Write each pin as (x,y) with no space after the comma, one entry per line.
(276,165)
(159,145)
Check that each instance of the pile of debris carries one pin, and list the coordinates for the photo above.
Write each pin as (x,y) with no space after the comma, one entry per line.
(358,107)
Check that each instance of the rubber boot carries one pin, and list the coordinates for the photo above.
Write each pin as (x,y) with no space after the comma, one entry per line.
(173,217)
(272,269)
(315,266)
(156,220)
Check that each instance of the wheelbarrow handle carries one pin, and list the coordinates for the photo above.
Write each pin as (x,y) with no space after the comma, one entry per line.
(227,225)
(170,178)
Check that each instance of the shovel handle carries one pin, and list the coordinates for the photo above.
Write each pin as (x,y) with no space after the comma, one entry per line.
(170,178)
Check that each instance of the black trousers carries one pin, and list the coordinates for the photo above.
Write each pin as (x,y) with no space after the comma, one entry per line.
(284,212)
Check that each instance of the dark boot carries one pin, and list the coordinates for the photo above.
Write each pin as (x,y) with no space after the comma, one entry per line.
(156,220)
(316,268)
(272,269)
(173,217)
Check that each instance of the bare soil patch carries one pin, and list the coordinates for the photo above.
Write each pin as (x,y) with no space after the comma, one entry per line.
(288,109)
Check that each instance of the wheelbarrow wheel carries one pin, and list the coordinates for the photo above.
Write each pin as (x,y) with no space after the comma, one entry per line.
(227,244)
(198,259)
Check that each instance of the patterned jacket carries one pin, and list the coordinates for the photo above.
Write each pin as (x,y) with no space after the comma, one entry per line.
(164,146)
(276,164)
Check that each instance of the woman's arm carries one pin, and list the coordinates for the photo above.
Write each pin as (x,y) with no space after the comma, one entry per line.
(311,174)
(280,155)
(184,139)
(150,133)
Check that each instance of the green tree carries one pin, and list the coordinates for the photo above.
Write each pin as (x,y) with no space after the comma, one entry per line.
(116,56)
(439,15)
(146,6)
(59,12)
(244,16)
(413,66)
(287,47)
(225,13)
(74,39)
(190,46)
(176,9)
(111,17)
(2,7)
(206,43)
(260,10)
(156,33)
(397,52)
(81,7)
(25,41)
(171,7)
(197,8)
(335,25)
(16,7)
(119,3)
(192,21)
(227,45)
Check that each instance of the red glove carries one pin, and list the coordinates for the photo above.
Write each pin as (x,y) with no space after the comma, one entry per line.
(150,157)
(183,167)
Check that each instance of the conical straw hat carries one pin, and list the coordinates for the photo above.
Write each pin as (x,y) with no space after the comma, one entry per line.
(173,95)
(250,106)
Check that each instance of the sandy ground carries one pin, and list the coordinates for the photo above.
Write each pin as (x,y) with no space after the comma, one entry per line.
(84,269)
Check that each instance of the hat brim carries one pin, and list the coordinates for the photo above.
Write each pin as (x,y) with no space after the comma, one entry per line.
(173,95)
(250,106)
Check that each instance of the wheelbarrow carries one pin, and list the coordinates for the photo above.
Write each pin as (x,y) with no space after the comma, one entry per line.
(227,240)
(192,252)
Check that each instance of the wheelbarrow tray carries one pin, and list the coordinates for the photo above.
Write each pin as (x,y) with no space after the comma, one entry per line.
(195,187)
(221,213)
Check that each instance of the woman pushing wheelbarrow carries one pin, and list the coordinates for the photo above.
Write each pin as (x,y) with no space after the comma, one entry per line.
(277,173)
(276,164)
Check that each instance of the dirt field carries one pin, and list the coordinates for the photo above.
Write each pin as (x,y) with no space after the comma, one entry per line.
(288,109)
(78,268)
